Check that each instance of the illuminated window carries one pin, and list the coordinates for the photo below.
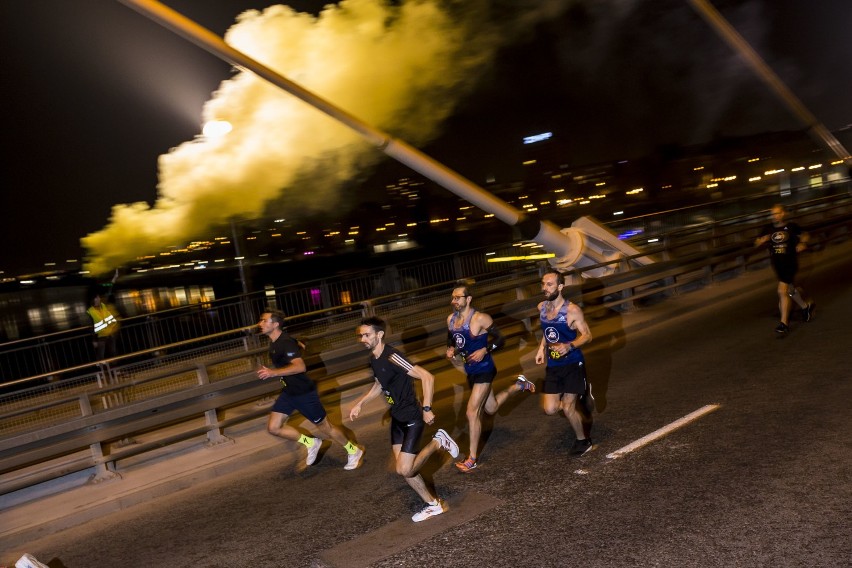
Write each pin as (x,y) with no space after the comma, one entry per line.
(60,315)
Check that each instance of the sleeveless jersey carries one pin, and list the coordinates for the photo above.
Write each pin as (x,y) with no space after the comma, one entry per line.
(466,343)
(556,330)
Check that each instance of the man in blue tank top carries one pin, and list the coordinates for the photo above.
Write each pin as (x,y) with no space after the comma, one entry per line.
(564,330)
(472,336)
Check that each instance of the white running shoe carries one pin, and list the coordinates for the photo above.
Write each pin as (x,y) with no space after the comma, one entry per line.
(354,460)
(524,384)
(29,561)
(313,451)
(429,511)
(447,442)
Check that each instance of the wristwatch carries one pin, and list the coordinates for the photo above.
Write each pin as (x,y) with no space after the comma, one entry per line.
(427,408)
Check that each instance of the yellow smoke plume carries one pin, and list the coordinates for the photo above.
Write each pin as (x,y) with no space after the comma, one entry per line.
(400,68)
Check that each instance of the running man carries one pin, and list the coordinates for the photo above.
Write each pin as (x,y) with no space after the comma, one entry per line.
(472,335)
(300,393)
(786,239)
(395,376)
(564,330)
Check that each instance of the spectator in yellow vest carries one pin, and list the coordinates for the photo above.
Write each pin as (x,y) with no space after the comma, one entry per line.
(105,328)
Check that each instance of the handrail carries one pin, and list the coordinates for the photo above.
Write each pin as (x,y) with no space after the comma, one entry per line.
(106,362)
(86,330)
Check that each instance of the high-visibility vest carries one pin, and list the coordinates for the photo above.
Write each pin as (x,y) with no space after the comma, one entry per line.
(105,322)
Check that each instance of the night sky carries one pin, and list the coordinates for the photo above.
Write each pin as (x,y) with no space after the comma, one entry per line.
(94,93)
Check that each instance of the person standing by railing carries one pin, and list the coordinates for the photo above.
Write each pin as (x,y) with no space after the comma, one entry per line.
(299,393)
(472,335)
(786,240)
(105,324)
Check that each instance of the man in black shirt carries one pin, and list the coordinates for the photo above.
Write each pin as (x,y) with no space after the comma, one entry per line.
(786,239)
(394,375)
(299,393)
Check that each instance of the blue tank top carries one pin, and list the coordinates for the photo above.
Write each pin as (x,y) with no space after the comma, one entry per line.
(556,330)
(466,343)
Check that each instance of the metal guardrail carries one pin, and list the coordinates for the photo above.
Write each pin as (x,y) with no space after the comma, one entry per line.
(51,429)
(59,351)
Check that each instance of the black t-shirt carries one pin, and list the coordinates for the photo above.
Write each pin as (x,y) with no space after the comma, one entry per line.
(281,352)
(391,369)
(783,240)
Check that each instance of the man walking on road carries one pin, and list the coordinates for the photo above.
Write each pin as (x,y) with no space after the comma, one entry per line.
(472,335)
(299,393)
(394,375)
(564,330)
(787,240)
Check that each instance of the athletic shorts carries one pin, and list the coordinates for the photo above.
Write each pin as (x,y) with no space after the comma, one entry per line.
(477,378)
(407,434)
(785,270)
(562,379)
(308,404)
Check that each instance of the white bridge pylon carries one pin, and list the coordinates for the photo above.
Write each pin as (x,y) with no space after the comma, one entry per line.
(590,244)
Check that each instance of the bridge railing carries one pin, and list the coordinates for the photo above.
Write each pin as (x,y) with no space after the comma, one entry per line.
(62,350)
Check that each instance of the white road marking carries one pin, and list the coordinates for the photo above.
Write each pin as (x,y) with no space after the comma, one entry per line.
(657,434)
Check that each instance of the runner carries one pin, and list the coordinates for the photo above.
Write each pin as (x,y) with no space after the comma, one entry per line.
(395,376)
(299,392)
(473,336)
(564,330)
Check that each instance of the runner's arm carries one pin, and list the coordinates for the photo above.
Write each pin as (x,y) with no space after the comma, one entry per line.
(374,391)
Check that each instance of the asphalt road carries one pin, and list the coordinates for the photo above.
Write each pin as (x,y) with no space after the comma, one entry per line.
(764,480)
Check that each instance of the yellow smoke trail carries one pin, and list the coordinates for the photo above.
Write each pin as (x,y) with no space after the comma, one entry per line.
(401,68)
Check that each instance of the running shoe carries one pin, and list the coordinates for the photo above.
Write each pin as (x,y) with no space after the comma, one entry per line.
(467,465)
(313,452)
(447,442)
(525,384)
(782,328)
(808,311)
(429,511)
(354,460)
(580,447)
(29,561)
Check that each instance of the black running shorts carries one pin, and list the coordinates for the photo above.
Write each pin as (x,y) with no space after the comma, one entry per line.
(486,377)
(308,404)
(562,379)
(407,434)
